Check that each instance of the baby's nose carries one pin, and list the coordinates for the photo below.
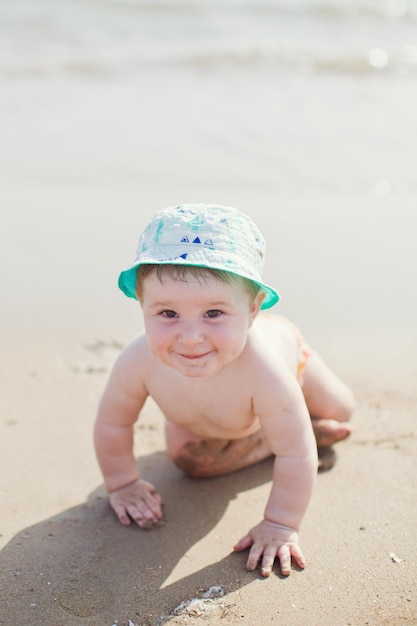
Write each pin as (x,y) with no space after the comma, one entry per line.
(191,333)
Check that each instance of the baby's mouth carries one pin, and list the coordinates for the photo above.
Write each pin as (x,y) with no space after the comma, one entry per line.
(192,357)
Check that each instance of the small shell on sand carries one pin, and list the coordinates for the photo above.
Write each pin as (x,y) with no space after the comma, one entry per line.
(394,558)
(198,605)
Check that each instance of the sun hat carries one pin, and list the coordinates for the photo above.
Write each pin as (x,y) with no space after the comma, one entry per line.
(203,235)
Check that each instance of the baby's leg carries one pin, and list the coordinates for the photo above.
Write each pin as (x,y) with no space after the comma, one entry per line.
(200,457)
(329,401)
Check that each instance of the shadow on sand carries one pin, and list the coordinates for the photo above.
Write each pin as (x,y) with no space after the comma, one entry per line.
(83,567)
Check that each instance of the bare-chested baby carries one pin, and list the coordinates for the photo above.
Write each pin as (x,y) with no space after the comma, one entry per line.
(235,385)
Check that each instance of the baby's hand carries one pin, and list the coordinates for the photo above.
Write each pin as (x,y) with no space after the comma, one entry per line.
(138,501)
(269,540)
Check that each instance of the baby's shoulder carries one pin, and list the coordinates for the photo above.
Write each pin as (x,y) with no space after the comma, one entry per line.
(269,334)
(135,354)
(130,371)
(271,348)
(263,355)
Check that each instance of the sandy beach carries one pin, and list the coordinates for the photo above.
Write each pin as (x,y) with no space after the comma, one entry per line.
(65,560)
(100,128)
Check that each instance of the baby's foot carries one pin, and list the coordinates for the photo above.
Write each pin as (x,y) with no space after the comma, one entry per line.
(328,432)
(327,459)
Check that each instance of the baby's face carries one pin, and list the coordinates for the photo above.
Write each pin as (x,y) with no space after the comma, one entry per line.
(196,326)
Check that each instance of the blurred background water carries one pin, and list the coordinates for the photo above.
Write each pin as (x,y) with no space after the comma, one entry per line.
(300,112)
(314,95)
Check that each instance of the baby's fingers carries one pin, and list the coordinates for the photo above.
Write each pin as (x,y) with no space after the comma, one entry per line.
(298,556)
(243,544)
(285,553)
(154,501)
(145,514)
(254,557)
(268,561)
(121,513)
(142,514)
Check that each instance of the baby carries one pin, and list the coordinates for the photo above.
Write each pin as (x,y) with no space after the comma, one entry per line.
(235,385)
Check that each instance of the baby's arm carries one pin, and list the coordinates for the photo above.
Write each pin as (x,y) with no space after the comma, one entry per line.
(130,496)
(288,429)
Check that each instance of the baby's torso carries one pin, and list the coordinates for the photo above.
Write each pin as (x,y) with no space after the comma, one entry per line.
(221,406)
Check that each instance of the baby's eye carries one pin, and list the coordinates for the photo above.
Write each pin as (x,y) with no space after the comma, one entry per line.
(213,313)
(169,314)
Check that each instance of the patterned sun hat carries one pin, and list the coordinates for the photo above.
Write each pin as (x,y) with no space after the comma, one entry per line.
(204,235)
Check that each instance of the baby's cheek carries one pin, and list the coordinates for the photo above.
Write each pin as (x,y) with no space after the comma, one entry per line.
(234,344)
(157,344)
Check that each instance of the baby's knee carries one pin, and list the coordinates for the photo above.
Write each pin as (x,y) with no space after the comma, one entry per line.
(189,463)
(343,406)
(185,463)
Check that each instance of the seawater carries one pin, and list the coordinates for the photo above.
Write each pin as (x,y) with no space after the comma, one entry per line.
(43,37)
(301,96)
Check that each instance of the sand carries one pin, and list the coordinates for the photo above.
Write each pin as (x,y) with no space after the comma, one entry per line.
(66,561)
(318,145)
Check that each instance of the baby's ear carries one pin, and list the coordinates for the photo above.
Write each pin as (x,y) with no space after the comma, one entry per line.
(256,306)
(138,296)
